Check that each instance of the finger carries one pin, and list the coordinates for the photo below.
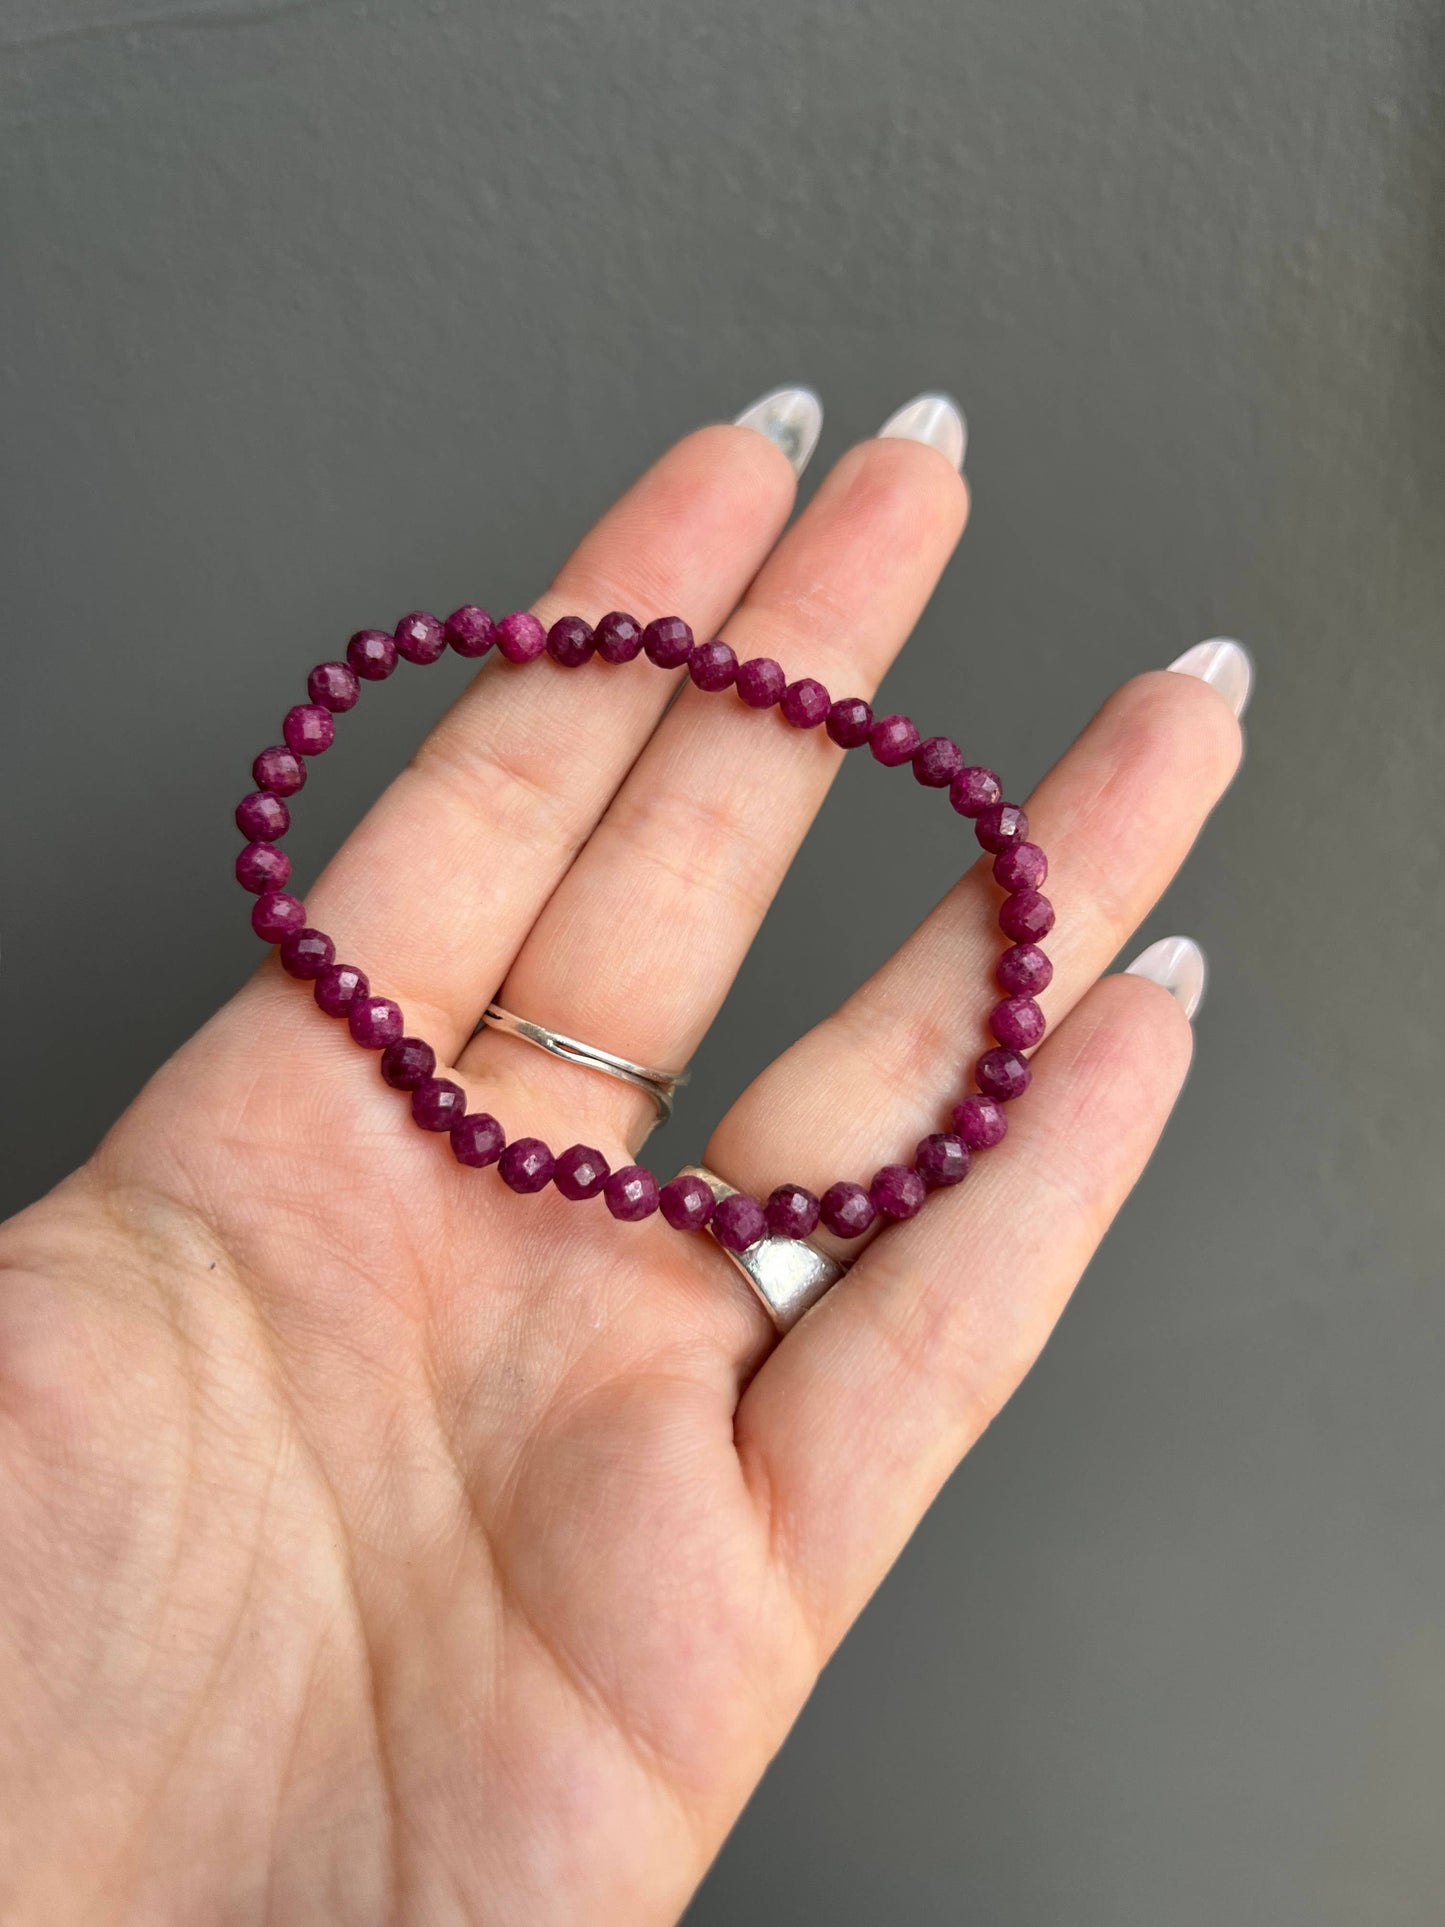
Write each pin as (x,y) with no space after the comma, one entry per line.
(862,1412)
(436,888)
(680,871)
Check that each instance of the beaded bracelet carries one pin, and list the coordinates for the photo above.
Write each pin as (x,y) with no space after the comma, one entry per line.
(847,1209)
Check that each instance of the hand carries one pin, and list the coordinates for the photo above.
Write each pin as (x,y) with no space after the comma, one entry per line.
(381,1545)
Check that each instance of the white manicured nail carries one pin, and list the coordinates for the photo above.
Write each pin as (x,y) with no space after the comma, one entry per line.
(1178,964)
(934,419)
(791,417)
(1224,664)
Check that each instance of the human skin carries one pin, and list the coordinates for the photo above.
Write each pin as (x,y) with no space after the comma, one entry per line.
(381,1546)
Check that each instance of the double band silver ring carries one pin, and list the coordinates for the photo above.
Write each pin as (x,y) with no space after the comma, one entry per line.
(659,1085)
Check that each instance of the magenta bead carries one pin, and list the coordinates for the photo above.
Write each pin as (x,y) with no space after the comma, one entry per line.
(1026,917)
(334,685)
(980,1121)
(279,770)
(898,1191)
(305,953)
(792,1212)
(420,637)
(687,1202)
(408,1062)
(632,1194)
(1018,1022)
(470,632)
(941,1160)
(338,985)
(374,1022)
(713,666)
(893,740)
(805,703)
(261,817)
(738,1221)
(1024,971)
(569,642)
(1003,1074)
(521,638)
(999,825)
(580,1173)
(477,1140)
(937,762)
(760,683)
(847,1210)
(261,867)
(308,729)
(850,722)
(668,642)
(975,790)
(1022,866)
(618,637)
(276,915)
(372,654)
(526,1165)
(437,1104)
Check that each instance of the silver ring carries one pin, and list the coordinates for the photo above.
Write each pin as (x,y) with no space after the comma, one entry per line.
(659,1085)
(788,1274)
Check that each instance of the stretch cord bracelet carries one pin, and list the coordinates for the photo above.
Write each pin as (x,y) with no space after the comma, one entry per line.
(526,1164)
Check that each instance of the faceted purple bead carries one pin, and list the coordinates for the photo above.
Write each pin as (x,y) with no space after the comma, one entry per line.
(308,729)
(334,685)
(668,642)
(1022,866)
(898,1191)
(305,953)
(713,666)
(1026,917)
(279,770)
(999,825)
(760,683)
(618,637)
(261,867)
(437,1104)
(937,762)
(941,1159)
(632,1193)
(738,1221)
(847,1210)
(420,637)
(805,703)
(1003,1074)
(374,1022)
(470,632)
(1024,971)
(893,740)
(850,722)
(372,654)
(687,1202)
(261,817)
(408,1062)
(526,1165)
(521,638)
(477,1140)
(1018,1022)
(980,1122)
(569,641)
(581,1172)
(338,985)
(792,1212)
(974,790)
(276,915)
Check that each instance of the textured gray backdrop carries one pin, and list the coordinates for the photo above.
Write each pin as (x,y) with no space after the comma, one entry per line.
(312,312)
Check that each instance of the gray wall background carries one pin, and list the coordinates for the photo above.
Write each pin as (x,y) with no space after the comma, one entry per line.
(315,311)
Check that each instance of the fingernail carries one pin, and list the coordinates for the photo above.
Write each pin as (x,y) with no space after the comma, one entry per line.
(1224,664)
(791,417)
(1178,964)
(935,419)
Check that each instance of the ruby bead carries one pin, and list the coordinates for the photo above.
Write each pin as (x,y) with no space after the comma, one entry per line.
(437,1104)
(334,685)
(1026,917)
(713,666)
(632,1193)
(374,1022)
(893,740)
(526,1165)
(618,637)
(420,637)
(974,790)
(308,729)
(941,1160)
(305,953)
(898,1191)
(372,654)
(668,642)
(980,1121)
(338,985)
(687,1202)
(805,703)
(477,1140)
(999,825)
(849,722)
(520,637)
(408,1063)
(738,1221)
(1002,1074)
(581,1172)
(261,867)
(1018,1022)
(279,770)
(276,915)
(1024,971)
(1022,866)
(569,641)
(470,632)
(847,1210)
(261,817)
(761,682)
(792,1212)
(937,762)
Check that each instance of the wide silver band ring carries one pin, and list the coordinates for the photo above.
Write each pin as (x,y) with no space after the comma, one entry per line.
(659,1085)
(788,1274)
